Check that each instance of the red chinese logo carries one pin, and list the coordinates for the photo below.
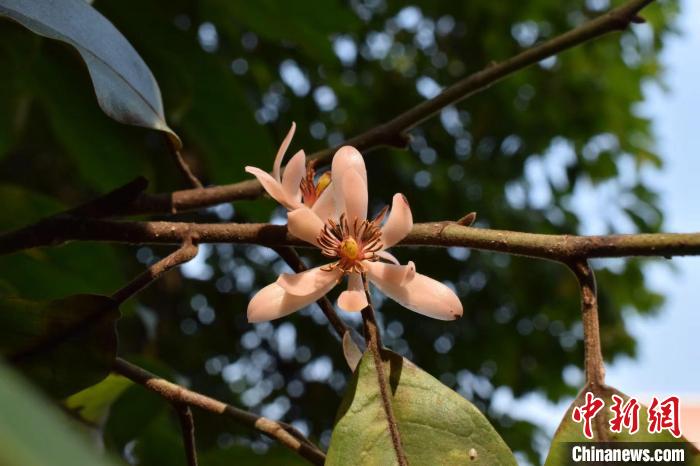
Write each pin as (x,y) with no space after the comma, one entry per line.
(664,416)
(587,412)
(625,415)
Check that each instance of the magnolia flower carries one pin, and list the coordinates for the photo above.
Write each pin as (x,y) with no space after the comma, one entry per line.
(357,246)
(296,187)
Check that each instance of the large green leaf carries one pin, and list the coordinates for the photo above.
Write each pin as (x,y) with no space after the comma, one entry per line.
(437,425)
(125,87)
(34,433)
(63,345)
(570,431)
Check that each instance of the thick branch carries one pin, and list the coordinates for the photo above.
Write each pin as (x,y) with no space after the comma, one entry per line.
(374,345)
(283,433)
(393,132)
(559,248)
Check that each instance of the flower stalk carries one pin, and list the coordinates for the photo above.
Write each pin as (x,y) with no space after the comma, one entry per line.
(374,345)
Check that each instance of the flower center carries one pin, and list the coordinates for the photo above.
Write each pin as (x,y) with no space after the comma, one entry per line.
(310,190)
(349,249)
(351,243)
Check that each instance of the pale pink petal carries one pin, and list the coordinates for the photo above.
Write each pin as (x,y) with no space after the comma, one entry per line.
(416,292)
(390,273)
(388,257)
(272,302)
(353,196)
(354,298)
(281,151)
(304,224)
(324,206)
(272,186)
(293,173)
(346,159)
(305,283)
(399,223)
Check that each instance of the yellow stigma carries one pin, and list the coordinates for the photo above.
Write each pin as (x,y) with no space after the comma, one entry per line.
(323,182)
(349,248)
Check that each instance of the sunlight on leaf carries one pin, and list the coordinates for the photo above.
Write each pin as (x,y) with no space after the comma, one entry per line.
(437,425)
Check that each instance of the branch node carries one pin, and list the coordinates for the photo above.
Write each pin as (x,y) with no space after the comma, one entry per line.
(467,220)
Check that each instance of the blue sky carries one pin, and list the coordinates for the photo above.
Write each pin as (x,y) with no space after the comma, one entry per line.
(668,346)
(668,349)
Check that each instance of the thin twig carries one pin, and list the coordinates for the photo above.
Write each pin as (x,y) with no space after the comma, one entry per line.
(187,425)
(282,432)
(559,248)
(393,132)
(594,364)
(182,164)
(184,254)
(291,257)
(374,344)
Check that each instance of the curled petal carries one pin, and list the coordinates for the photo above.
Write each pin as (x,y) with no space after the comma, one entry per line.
(390,273)
(353,299)
(293,173)
(309,282)
(324,206)
(353,196)
(416,292)
(272,186)
(304,224)
(281,151)
(388,257)
(272,302)
(399,223)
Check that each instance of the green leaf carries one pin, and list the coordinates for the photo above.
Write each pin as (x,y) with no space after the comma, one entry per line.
(125,87)
(105,155)
(63,345)
(437,425)
(570,431)
(93,403)
(34,433)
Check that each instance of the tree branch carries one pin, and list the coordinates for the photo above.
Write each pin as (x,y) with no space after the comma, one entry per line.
(291,257)
(186,253)
(57,230)
(187,425)
(594,364)
(283,433)
(374,345)
(393,132)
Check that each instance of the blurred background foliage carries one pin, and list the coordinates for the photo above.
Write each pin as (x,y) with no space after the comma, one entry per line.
(557,148)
